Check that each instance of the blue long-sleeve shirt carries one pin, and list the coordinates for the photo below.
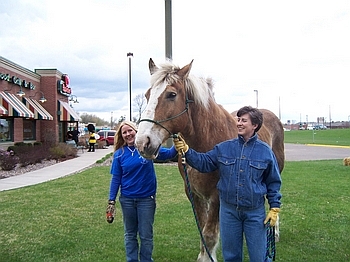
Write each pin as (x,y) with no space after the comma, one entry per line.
(248,171)
(133,174)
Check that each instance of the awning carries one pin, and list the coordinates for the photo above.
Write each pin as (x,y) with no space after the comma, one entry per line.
(39,111)
(66,113)
(3,110)
(14,106)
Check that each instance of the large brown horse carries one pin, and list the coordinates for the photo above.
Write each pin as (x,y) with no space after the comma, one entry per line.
(182,103)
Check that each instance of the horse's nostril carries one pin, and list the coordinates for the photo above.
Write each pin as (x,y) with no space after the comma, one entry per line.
(148,142)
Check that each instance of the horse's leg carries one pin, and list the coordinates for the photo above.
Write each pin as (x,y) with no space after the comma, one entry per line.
(207,214)
(211,228)
(206,206)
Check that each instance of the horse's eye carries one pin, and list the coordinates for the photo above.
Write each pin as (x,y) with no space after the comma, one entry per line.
(171,95)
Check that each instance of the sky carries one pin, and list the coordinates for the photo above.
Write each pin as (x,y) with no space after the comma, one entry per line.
(296,54)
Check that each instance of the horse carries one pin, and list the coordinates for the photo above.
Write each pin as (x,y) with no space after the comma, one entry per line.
(179,102)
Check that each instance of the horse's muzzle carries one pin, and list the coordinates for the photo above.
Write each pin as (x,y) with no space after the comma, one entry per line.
(149,153)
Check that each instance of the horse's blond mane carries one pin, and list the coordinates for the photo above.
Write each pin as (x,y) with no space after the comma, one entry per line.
(198,88)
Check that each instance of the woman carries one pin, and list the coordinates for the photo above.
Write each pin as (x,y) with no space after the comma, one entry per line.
(248,173)
(136,178)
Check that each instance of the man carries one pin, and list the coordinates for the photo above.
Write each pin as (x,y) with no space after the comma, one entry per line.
(248,173)
(75,134)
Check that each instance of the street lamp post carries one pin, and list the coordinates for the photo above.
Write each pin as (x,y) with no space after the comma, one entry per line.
(130,55)
(168,31)
(257,99)
(112,120)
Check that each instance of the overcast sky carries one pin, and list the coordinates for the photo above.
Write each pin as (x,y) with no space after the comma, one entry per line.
(295,53)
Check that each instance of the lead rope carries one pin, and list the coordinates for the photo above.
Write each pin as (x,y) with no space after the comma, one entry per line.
(271,244)
(188,185)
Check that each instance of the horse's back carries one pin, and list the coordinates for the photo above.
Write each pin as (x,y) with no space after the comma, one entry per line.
(273,128)
(272,133)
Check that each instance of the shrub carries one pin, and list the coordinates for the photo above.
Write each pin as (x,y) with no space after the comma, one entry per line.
(30,155)
(22,144)
(11,148)
(35,153)
(57,152)
(62,150)
(8,160)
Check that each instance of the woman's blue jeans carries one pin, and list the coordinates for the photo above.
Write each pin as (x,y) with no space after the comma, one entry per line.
(138,218)
(234,222)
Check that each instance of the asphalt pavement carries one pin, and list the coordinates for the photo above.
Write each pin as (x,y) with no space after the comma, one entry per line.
(293,152)
(298,152)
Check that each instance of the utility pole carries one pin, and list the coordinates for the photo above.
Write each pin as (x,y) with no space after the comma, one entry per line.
(168,31)
(130,55)
(257,98)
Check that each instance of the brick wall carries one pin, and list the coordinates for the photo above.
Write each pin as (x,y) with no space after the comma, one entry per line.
(18,130)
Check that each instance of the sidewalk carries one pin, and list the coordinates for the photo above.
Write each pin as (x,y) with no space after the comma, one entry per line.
(58,170)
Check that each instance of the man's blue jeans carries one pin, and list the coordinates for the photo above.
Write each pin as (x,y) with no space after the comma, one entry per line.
(138,218)
(235,222)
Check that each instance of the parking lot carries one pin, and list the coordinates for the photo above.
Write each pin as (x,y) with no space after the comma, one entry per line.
(297,152)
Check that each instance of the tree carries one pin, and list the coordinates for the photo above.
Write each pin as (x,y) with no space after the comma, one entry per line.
(140,103)
(87,118)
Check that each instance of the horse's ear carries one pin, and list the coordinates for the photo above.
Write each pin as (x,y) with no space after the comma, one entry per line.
(185,71)
(152,66)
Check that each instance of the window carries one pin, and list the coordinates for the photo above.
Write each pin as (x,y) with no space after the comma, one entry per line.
(6,129)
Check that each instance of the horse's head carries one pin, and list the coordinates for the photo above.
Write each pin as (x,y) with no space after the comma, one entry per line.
(166,110)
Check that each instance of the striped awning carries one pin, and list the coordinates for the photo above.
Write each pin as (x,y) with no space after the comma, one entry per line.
(39,111)
(3,110)
(66,113)
(14,106)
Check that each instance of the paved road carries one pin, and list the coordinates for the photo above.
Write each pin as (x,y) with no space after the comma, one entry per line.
(296,152)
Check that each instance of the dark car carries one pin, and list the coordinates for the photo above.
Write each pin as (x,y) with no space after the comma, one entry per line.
(107,135)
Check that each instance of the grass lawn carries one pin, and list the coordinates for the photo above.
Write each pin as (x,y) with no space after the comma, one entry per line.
(339,137)
(64,219)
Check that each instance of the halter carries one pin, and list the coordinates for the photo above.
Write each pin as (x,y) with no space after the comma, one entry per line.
(158,122)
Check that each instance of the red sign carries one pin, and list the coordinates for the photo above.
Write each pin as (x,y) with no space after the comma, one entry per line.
(63,86)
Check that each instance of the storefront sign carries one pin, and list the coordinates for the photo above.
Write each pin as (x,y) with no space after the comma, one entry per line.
(63,86)
(17,81)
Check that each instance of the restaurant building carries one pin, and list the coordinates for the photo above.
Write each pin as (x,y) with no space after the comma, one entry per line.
(34,105)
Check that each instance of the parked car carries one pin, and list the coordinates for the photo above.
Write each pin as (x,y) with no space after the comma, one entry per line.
(107,135)
(318,127)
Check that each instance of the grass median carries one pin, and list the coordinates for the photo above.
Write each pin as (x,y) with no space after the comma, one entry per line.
(64,219)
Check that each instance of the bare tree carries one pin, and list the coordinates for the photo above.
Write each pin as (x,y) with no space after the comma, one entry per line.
(90,118)
(139,105)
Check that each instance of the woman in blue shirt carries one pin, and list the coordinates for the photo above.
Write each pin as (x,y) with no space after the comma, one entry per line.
(136,179)
(248,173)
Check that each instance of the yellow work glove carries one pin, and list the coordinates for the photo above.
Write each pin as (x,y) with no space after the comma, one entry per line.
(272,216)
(180,144)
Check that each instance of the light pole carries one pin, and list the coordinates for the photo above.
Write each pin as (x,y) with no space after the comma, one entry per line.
(130,55)
(257,99)
(168,31)
(112,120)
